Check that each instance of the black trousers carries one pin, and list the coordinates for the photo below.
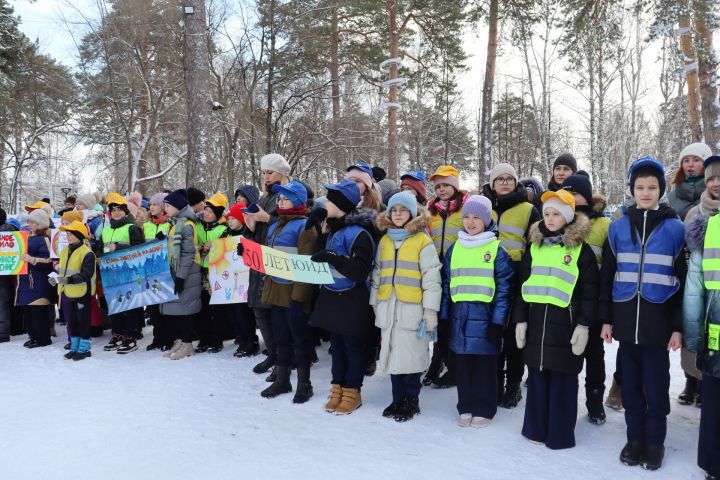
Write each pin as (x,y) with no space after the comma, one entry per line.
(180,327)
(79,316)
(127,323)
(36,322)
(709,441)
(551,408)
(441,350)
(242,319)
(211,321)
(263,317)
(476,377)
(645,391)
(510,362)
(595,361)
(292,337)
(348,360)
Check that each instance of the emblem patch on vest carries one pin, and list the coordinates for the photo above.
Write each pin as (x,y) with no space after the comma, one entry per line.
(487,257)
(567,259)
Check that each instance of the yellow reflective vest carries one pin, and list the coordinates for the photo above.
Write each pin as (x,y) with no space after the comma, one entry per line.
(553,275)
(151,230)
(71,266)
(711,254)
(171,236)
(512,228)
(472,272)
(400,268)
(444,231)
(598,235)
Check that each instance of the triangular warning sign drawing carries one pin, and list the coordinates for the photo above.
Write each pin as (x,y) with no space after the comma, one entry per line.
(217,285)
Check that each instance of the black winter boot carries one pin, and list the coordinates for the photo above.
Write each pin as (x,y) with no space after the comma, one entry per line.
(371,362)
(265,365)
(304,390)
(631,454)
(594,404)
(280,385)
(391,410)
(512,396)
(687,397)
(447,380)
(273,375)
(408,409)
(434,370)
(652,457)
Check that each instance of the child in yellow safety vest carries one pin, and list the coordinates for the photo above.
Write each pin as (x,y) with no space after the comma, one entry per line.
(477,297)
(405,294)
(554,311)
(76,282)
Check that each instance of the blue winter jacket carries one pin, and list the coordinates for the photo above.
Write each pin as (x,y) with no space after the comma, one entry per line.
(470,321)
(34,285)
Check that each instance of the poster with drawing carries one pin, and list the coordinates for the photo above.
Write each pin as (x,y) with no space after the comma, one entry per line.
(228,276)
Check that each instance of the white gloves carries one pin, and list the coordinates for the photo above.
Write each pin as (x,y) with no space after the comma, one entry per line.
(579,339)
(520,334)
(431,320)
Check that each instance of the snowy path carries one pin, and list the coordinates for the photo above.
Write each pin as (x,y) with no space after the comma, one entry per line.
(144,417)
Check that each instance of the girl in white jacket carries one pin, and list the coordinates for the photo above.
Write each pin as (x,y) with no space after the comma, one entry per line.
(406,293)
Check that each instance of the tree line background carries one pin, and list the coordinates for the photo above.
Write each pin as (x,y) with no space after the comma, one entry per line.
(160,97)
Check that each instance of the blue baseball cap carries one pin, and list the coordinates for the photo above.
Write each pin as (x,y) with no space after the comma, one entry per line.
(295,191)
(416,174)
(710,159)
(363,167)
(348,189)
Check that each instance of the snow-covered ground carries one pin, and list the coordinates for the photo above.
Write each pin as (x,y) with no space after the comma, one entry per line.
(141,416)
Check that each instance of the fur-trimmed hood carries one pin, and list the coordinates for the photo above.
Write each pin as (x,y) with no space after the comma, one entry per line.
(574,235)
(695,232)
(599,202)
(417,224)
(365,217)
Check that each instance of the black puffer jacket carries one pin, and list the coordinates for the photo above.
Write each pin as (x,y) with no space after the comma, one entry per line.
(267,202)
(550,328)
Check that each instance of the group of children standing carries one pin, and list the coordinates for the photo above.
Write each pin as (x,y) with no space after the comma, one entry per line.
(493,282)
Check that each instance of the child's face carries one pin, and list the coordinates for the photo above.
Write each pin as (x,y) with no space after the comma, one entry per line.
(579,199)
(234,223)
(72,239)
(560,173)
(444,191)
(554,220)
(241,199)
(65,222)
(170,210)
(117,213)
(156,210)
(713,186)
(209,215)
(504,185)
(399,216)
(361,185)
(333,210)
(647,192)
(473,224)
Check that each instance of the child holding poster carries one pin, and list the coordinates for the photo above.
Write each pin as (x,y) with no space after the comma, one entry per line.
(290,301)
(76,283)
(406,293)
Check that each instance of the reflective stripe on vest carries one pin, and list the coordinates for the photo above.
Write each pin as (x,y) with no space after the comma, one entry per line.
(512,228)
(403,274)
(649,268)
(553,275)
(597,236)
(444,231)
(472,272)
(285,238)
(711,254)
(71,266)
(150,230)
(120,235)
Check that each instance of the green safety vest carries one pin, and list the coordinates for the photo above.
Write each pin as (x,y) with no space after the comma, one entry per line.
(151,230)
(553,275)
(711,254)
(512,228)
(205,236)
(121,235)
(472,272)
(598,235)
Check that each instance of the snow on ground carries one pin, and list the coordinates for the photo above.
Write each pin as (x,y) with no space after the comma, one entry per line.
(142,416)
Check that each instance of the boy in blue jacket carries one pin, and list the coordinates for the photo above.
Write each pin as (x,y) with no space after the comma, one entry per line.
(642,277)
(477,295)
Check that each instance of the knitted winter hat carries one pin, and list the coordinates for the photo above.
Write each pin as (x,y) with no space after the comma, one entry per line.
(275,162)
(72,216)
(448,175)
(250,192)
(579,184)
(417,185)
(566,159)
(379,174)
(404,199)
(158,199)
(236,212)
(480,206)
(195,196)
(647,166)
(294,191)
(386,187)
(699,149)
(502,169)
(562,200)
(40,217)
(583,173)
(177,199)
(87,200)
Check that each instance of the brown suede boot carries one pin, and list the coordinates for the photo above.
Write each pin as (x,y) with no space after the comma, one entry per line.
(334,398)
(614,398)
(350,402)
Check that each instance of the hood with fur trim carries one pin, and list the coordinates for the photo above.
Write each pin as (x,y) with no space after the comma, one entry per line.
(599,203)
(365,217)
(574,235)
(415,225)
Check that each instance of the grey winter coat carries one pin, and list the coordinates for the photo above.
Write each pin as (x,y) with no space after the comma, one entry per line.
(401,351)
(684,196)
(189,271)
(699,304)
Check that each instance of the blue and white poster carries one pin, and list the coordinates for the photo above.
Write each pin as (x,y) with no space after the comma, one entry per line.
(136,277)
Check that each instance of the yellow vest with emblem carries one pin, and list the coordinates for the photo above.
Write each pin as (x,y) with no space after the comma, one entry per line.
(512,228)
(472,272)
(598,235)
(444,231)
(171,235)
(400,269)
(711,254)
(71,266)
(553,275)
